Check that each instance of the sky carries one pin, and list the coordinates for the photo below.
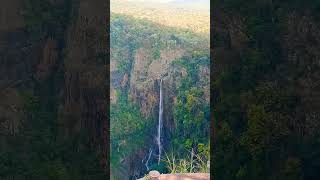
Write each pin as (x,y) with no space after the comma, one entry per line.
(166,1)
(160,1)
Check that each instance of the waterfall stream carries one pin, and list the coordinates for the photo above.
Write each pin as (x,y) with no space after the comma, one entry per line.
(146,159)
(149,156)
(160,122)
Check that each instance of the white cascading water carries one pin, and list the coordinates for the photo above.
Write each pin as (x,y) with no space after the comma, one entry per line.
(149,156)
(160,122)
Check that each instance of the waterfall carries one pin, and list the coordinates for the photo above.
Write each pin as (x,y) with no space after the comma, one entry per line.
(159,131)
(147,162)
(160,122)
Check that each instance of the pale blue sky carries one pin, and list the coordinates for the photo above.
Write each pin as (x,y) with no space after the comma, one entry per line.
(161,1)
(166,1)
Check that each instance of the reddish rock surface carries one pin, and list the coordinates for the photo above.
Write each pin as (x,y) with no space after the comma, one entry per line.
(155,175)
(186,176)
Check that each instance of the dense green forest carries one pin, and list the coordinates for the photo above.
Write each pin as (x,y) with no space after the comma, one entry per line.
(187,121)
(38,141)
(266,90)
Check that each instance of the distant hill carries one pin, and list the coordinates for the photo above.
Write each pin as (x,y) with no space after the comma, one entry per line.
(186,14)
(201,5)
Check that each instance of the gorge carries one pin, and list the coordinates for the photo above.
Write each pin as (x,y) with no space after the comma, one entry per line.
(159,96)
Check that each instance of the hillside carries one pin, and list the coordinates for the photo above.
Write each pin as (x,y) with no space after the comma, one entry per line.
(142,52)
(52,89)
(173,14)
(266,90)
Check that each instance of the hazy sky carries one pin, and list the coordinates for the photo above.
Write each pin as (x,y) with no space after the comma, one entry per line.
(166,1)
(161,1)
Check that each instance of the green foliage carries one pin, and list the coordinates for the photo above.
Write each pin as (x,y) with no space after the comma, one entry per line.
(191,112)
(190,116)
(156,54)
(292,169)
(54,170)
(37,152)
(129,130)
(128,34)
(195,162)
(46,18)
(258,108)
(161,167)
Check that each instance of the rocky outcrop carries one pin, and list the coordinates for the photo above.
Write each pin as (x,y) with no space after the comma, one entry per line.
(17,60)
(146,72)
(49,59)
(11,110)
(84,107)
(85,71)
(144,76)
(155,175)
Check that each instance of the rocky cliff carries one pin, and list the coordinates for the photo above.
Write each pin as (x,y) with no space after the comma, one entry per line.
(142,53)
(265,85)
(53,83)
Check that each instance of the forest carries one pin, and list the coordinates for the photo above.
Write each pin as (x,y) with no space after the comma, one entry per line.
(51,120)
(139,50)
(266,90)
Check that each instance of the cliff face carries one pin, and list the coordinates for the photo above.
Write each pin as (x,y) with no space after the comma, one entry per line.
(145,69)
(145,77)
(84,97)
(142,80)
(265,81)
(12,38)
(142,53)
(53,76)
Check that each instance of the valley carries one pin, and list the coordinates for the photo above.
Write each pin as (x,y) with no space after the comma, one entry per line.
(147,57)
